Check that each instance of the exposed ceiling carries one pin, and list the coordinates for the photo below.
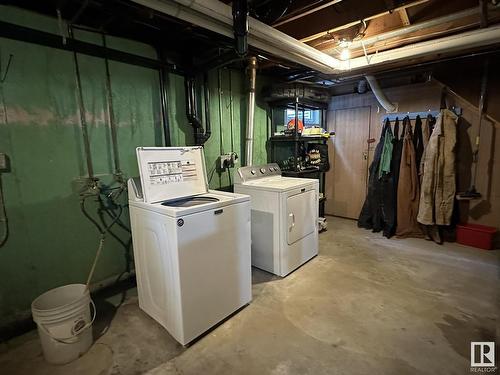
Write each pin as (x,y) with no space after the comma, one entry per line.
(331,25)
(364,28)
(180,42)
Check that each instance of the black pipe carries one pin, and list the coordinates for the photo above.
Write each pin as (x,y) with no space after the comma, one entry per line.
(201,135)
(29,35)
(164,106)
(163,78)
(240,26)
(111,113)
(208,127)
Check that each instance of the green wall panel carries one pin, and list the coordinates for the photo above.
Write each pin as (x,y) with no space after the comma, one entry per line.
(228,94)
(51,243)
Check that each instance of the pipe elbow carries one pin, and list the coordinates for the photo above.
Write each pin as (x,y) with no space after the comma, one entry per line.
(379,94)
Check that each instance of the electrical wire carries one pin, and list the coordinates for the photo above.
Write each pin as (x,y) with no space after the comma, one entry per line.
(81,110)
(212,171)
(3,218)
(4,221)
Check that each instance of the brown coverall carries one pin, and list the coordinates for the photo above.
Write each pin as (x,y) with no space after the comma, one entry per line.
(408,190)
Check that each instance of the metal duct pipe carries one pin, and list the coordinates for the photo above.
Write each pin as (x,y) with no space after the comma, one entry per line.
(252,72)
(379,94)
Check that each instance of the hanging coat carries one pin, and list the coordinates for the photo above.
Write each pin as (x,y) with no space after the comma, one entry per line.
(408,188)
(371,216)
(386,157)
(418,142)
(430,121)
(438,181)
(390,185)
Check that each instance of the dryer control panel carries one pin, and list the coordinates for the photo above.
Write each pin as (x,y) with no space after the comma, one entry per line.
(253,172)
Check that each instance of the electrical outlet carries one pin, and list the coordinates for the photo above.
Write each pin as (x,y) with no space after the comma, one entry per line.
(4,163)
(227,160)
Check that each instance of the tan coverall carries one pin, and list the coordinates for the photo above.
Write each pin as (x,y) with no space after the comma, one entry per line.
(438,183)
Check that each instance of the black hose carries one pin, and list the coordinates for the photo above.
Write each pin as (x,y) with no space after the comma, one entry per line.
(119,221)
(87,215)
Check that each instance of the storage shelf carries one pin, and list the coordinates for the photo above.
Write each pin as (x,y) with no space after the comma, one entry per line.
(303,103)
(291,138)
(294,146)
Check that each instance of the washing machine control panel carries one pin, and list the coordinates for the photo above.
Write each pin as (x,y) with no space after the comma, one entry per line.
(258,171)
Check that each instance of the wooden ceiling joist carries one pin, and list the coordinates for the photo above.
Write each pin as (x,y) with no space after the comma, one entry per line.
(354,23)
(307,12)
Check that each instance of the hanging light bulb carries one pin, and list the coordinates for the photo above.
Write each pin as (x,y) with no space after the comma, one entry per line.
(345,54)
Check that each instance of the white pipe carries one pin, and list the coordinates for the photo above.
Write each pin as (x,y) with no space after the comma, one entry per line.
(413,28)
(466,40)
(380,95)
(216,16)
(252,73)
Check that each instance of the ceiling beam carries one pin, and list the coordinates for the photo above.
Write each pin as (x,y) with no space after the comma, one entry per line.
(307,12)
(354,23)
(416,27)
(403,14)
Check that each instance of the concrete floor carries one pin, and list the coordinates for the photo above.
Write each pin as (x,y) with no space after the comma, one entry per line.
(365,305)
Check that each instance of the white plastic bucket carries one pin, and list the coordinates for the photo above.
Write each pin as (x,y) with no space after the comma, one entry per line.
(64,322)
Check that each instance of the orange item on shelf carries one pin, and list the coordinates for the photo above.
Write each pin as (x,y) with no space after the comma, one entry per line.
(291,125)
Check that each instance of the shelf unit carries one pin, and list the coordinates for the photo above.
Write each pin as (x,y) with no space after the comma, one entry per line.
(283,148)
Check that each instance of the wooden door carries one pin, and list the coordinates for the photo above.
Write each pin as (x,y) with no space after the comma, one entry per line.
(347,179)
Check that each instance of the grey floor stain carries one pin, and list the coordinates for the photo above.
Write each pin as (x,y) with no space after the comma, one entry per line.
(459,332)
(365,305)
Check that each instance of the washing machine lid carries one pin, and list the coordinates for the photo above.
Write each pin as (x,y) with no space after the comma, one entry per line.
(279,183)
(169,173)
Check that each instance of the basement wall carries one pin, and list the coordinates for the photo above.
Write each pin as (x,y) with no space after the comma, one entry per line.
(51,243)
(422,97)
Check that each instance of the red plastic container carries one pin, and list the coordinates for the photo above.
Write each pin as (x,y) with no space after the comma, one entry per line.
(476,235)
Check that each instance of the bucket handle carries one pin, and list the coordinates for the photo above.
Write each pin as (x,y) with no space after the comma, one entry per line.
(67,340)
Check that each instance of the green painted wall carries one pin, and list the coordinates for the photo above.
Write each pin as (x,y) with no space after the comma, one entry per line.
(51,243)
(228,118)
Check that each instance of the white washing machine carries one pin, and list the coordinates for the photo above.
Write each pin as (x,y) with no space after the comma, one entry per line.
(191,244)
(284,217)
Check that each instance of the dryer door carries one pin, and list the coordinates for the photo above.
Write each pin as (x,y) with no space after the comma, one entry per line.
(301,215)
